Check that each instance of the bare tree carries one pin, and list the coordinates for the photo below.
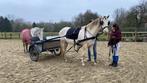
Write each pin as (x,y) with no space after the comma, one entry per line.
(120,16)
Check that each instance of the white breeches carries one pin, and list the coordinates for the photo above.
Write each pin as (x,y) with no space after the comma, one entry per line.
(116,49)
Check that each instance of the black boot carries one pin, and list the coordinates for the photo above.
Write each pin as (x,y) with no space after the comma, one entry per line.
(115,61)
(115,64)
(111,64)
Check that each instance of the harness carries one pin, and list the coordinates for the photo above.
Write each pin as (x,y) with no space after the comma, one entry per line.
(78,43)
(93,37)
(86,39)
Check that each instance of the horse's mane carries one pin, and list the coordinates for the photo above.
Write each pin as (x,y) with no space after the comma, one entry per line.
(93,23)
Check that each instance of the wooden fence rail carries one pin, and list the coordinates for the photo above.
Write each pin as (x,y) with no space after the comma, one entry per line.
(126,36)
(16,35)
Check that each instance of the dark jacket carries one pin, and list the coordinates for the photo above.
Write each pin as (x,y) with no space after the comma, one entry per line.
(115,37)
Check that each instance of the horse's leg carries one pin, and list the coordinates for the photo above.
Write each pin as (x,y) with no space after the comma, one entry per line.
(82,53)
(63,45)
(24,46)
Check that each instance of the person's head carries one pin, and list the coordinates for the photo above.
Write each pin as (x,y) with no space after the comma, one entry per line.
(115,27)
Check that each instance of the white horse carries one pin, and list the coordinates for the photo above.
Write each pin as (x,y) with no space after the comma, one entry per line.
(90,30)
(37,32)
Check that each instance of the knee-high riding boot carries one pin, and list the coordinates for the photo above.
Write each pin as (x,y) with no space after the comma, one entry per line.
(115,61)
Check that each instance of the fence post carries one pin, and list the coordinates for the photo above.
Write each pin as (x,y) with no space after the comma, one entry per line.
(19,35)
(2,35)
(5,35)
(10,35)
(135,35)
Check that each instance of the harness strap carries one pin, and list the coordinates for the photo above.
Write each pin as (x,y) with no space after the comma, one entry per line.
(74,43)
(85,39)
(78,43)
(85,33)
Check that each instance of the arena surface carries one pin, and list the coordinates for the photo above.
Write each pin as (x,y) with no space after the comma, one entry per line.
(16,66)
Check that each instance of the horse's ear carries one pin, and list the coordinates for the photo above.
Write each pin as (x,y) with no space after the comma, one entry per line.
(108,16)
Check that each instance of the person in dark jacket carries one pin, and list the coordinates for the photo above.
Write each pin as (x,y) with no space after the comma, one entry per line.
(114,43)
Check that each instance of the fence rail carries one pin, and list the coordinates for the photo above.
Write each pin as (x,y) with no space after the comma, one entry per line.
(126,36)
(16,35)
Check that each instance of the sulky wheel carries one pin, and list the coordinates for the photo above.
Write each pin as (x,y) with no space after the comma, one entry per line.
(34,53)
(55,51)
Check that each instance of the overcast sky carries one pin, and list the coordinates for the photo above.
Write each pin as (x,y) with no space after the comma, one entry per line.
(56,10)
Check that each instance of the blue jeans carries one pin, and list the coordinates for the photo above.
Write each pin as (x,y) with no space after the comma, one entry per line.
(94,52)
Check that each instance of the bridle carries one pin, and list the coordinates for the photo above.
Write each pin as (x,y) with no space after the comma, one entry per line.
(98,33)
(101,30)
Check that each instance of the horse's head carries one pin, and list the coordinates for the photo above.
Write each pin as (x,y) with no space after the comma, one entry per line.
(104,23)
(37,32)
(40,33)
(100,24)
